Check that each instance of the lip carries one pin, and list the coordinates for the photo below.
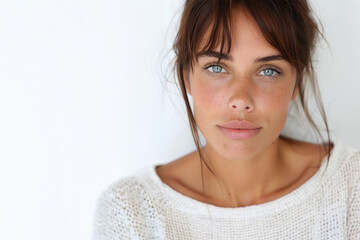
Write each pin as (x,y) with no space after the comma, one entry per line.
(239,130)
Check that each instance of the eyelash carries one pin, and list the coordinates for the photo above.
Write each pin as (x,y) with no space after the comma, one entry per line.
(214,65)
(277,71)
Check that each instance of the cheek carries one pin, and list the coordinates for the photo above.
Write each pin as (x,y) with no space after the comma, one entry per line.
(206,98)
(278,98)
(276,105)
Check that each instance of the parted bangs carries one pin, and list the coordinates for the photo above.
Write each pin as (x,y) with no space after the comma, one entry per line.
(206,26)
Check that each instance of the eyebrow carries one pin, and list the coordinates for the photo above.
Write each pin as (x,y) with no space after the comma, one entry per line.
(269,58)
(228,57)
(215,55)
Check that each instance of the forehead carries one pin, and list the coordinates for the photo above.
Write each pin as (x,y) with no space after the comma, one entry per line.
(245,36)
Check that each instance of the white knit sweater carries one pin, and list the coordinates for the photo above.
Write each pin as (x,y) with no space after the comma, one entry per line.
(327,206)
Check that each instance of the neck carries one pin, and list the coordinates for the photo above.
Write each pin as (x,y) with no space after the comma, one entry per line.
(245,181)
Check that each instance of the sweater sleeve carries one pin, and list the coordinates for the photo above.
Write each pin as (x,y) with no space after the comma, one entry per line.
(353,215)
(126,211)
(111,216)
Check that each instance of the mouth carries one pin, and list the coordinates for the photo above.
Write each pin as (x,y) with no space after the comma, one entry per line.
(239,130)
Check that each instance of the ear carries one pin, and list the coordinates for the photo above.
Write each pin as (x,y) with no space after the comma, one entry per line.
(187,81)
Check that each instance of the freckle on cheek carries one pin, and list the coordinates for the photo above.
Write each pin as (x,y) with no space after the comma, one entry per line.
(280,95)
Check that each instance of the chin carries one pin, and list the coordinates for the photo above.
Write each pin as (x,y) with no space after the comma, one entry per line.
(243,150)
(237,151)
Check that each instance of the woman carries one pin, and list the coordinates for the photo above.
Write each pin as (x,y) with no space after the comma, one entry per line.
(243,63)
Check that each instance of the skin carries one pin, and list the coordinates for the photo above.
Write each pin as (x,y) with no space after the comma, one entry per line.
(255,170)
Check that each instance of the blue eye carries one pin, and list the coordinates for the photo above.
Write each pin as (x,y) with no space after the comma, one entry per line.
(216,69)
(269,72)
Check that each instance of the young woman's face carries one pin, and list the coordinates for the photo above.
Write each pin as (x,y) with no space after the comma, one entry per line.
(252,84)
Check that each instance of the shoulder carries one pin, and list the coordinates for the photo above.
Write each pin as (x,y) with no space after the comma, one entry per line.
(342,174)
(347,160)
(344,160)
(349,176)
(350,170)
(123,190)
(124,205)
(137,189)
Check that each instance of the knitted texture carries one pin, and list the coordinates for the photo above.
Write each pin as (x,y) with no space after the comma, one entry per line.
(327,206)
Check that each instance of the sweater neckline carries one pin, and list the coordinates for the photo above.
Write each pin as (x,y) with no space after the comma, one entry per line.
(177,200)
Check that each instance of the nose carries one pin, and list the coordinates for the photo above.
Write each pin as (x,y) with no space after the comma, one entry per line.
(241,97)
(242,106)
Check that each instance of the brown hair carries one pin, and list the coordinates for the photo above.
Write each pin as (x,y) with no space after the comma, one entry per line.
(288,25)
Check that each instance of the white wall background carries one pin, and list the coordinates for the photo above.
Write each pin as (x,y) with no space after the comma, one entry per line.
(82,102)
